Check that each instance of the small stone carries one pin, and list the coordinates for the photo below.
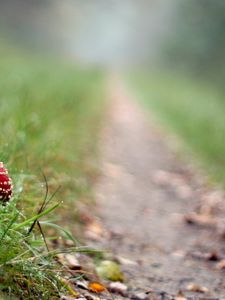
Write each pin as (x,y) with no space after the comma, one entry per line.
(140,296)
(221,265)
(117,288)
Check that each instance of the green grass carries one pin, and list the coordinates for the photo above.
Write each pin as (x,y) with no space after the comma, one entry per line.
(50,113)
(194,110)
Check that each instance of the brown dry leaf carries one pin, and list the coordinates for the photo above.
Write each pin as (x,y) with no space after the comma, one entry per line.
(161,177)
(72,262)
(201,220)
(211,201)
(197,288)
(125,261)
(69,288)
(96,287)
(60,258)
(184,191)
(222,233)
(213,256)
(180,296)
(221,265)
(95,231)
(210,256)
(178,253)
(69,260)
(81,284)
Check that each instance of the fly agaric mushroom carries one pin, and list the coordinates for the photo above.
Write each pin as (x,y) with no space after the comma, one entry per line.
(5,184)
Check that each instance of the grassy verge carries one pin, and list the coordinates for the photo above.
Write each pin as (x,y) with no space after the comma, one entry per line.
(50,113)
(194,110)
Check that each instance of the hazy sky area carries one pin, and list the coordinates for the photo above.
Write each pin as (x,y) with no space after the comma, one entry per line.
(93,31)
(114,31)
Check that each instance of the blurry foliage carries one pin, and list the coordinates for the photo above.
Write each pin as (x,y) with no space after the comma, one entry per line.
(50,114)
(188,94)
(193,110)
(197,40)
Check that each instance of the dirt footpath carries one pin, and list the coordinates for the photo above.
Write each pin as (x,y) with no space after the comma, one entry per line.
(143,197)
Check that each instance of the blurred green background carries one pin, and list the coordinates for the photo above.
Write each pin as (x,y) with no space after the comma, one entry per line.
(56,58)
(171,50)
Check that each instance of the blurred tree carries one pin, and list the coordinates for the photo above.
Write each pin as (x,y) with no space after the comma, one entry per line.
(27,22)
(197,39)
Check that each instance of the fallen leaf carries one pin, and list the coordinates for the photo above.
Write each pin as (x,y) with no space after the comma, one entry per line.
(110,270)
(180,296)
(96,287)
(222,234)
(221,265)
(178,253)
(161,177)
(72,262)
(95,231)
(69,287)
(197,288)
(211,201)
(81,284)
(184,191)
(174,180)
(201,220)
(126,261)
(211,256)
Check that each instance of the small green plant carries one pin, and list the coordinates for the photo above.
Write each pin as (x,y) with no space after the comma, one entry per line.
(26,269)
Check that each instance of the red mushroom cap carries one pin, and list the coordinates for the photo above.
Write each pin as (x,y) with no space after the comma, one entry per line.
(5,184)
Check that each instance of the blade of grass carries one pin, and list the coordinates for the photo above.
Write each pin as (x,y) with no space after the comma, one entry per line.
(9,226)
(43,235)
(67,233)
(34,218)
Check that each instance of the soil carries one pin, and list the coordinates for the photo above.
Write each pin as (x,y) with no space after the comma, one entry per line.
(144,195)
